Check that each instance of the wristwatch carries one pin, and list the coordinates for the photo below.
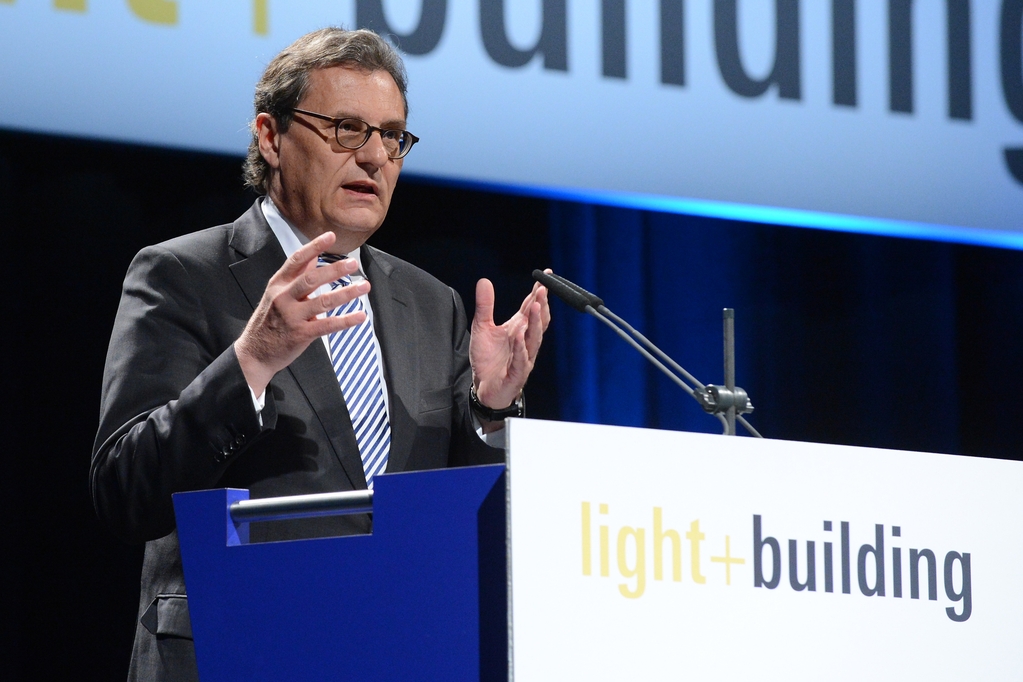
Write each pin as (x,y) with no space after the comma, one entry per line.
(516,409)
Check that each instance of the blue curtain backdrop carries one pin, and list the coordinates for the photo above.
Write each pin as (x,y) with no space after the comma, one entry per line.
(841,338)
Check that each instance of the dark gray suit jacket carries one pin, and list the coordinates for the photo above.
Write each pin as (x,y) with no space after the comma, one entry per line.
(176,412)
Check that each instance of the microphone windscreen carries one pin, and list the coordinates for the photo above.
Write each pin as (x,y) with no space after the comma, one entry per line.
(592,299)
(562,290)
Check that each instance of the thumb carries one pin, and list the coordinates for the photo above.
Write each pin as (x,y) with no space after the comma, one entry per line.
(484,303)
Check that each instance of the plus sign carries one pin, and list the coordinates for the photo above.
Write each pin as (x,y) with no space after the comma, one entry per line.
(727,560)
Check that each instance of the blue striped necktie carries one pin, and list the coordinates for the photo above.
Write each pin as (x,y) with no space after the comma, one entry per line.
(357,366)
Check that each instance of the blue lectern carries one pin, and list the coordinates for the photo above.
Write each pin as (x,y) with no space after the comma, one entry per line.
(424,597)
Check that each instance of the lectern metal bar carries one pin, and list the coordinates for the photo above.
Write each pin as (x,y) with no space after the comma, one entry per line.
(302,506)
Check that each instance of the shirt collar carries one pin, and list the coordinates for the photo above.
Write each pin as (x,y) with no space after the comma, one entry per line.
(291,239)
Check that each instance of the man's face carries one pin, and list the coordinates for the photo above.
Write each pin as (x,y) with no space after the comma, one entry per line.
(321,186)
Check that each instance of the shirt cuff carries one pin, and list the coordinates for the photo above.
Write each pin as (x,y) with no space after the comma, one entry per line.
(495,439)
(258,403)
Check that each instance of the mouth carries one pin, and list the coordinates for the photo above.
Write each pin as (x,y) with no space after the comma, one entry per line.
(361,187)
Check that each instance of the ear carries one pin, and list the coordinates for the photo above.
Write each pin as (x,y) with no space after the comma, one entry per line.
(269,139)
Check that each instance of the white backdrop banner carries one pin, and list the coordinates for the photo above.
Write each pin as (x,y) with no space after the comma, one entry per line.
(876,115)
(655,555)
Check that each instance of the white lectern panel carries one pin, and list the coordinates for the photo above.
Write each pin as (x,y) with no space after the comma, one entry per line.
(638,554)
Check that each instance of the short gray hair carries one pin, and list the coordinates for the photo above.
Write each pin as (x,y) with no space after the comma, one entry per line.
(286,78)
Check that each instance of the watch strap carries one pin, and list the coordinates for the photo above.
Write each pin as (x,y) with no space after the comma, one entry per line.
(516,409)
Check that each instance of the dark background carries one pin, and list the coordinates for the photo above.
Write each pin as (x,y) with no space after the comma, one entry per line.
(843,338)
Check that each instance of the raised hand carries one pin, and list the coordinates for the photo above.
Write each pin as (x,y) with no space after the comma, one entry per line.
(502,357)
(287,319)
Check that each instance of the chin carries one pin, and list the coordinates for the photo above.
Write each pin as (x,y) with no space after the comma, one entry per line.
(358,222)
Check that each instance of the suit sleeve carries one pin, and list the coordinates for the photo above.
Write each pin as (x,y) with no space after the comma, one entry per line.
(175,408)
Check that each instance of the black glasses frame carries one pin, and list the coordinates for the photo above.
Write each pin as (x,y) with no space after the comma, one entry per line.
(412,139)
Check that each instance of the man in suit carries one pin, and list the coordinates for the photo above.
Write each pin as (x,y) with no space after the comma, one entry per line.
(219,371)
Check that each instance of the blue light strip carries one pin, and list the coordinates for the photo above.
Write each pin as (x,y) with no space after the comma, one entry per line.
(1005,239)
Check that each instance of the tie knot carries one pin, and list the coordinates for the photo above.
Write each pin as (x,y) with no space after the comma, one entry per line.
(327,259)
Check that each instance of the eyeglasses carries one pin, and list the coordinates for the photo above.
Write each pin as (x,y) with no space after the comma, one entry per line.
(353,133)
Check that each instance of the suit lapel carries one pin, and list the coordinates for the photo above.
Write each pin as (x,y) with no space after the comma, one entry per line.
(313,373)
(261,256)
(394,321)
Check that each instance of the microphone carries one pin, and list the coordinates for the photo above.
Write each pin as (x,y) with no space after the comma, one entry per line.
(592,299)
(568,293)
(713,399)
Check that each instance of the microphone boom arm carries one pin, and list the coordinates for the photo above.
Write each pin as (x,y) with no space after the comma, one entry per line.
(728,403)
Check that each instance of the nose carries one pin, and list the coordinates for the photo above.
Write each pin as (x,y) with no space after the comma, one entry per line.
(373,151)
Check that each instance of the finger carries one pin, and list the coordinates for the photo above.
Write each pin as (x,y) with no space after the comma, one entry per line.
(528,300)
(521,364)
(315,277)
(324,303)
(484,303)
(298,262)
(545,308)
(534,332)
(328,325)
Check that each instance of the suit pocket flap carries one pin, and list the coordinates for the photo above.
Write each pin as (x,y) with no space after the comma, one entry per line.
(435,400)
(168,616)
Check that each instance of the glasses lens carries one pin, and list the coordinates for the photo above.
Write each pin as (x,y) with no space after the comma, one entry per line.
(352,133)
(394,142)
